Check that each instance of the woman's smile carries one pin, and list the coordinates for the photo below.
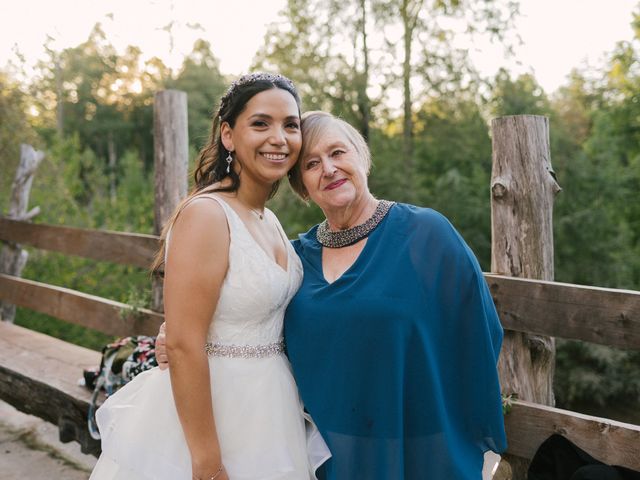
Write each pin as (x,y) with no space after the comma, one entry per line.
(336,184)
(275,157)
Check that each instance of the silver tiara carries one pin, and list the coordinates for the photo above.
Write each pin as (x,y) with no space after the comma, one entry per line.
(259,76)
(251,78)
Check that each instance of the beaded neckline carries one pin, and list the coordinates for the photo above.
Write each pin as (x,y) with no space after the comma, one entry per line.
(344,238)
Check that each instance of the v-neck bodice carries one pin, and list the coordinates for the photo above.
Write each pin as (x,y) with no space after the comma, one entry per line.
(283,238)
(256,290)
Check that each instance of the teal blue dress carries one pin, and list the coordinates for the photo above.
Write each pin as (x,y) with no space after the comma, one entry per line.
(396,359)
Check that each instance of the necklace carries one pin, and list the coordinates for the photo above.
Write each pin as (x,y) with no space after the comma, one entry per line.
(344,238)
(259,213)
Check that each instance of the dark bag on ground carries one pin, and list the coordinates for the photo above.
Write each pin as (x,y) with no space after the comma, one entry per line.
(121,361)
(559,459)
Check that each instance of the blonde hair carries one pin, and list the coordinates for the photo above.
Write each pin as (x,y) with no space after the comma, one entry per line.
(315,124)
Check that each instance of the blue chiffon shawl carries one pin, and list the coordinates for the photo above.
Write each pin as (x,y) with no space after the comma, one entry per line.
(396,359)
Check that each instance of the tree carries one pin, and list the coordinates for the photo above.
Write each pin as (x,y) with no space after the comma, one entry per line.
(431,48)
(103,97)
(305,47)
(331,67)
(522,96)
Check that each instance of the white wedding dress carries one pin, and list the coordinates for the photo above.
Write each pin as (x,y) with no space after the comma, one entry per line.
(263,430)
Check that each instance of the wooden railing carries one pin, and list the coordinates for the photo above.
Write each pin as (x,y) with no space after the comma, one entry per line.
(125,248)
(104,315)
(605,316)
(39,374)
(592,314)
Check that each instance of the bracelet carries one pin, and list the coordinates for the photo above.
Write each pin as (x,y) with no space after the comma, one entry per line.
(212,477)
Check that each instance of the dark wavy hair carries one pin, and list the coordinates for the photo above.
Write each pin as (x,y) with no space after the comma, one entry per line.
(211,164)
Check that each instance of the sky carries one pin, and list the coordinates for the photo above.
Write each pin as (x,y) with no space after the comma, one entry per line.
(557,35)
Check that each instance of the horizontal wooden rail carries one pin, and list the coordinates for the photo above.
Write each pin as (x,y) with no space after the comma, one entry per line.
(530,424)
(592,314)
(112,318)
(127,248)
(599,315)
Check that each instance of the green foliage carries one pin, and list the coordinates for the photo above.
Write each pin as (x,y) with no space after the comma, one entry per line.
(598,378)
(295,215)
(131,209)
(507,402)
(15,129)
(136,299)
(522,96)
(454,153)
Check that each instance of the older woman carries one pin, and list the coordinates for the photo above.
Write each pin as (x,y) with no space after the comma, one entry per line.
(393,336)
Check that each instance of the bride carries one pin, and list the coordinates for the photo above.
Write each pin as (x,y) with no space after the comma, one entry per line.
(228,408)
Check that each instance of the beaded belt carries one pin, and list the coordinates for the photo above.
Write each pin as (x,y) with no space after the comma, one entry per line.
(244,351)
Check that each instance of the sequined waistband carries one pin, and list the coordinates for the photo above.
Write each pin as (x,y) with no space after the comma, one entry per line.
(244,351)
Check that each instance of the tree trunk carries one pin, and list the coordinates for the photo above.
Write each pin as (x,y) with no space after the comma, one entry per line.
(523,188)
(112,166)
(407,130)
(13,258)
(364,104)
(171,160)
(59,100)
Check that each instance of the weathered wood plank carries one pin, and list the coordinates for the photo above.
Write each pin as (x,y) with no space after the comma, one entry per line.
(612,442)
(599,315)
(39,376)
(170,165)
(80,308)
(171,153)
(126,248)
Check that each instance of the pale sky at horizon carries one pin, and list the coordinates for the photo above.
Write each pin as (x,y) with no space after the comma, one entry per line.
(557,35)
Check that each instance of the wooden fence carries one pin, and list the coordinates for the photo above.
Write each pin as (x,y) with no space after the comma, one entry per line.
(38,373)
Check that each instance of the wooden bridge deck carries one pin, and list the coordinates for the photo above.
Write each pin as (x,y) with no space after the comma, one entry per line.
(39,375)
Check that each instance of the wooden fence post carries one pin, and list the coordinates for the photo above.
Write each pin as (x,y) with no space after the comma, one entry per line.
(12,257)
(171,160)
(523,188)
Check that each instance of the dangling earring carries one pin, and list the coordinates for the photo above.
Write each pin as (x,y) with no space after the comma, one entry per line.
(229,160)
